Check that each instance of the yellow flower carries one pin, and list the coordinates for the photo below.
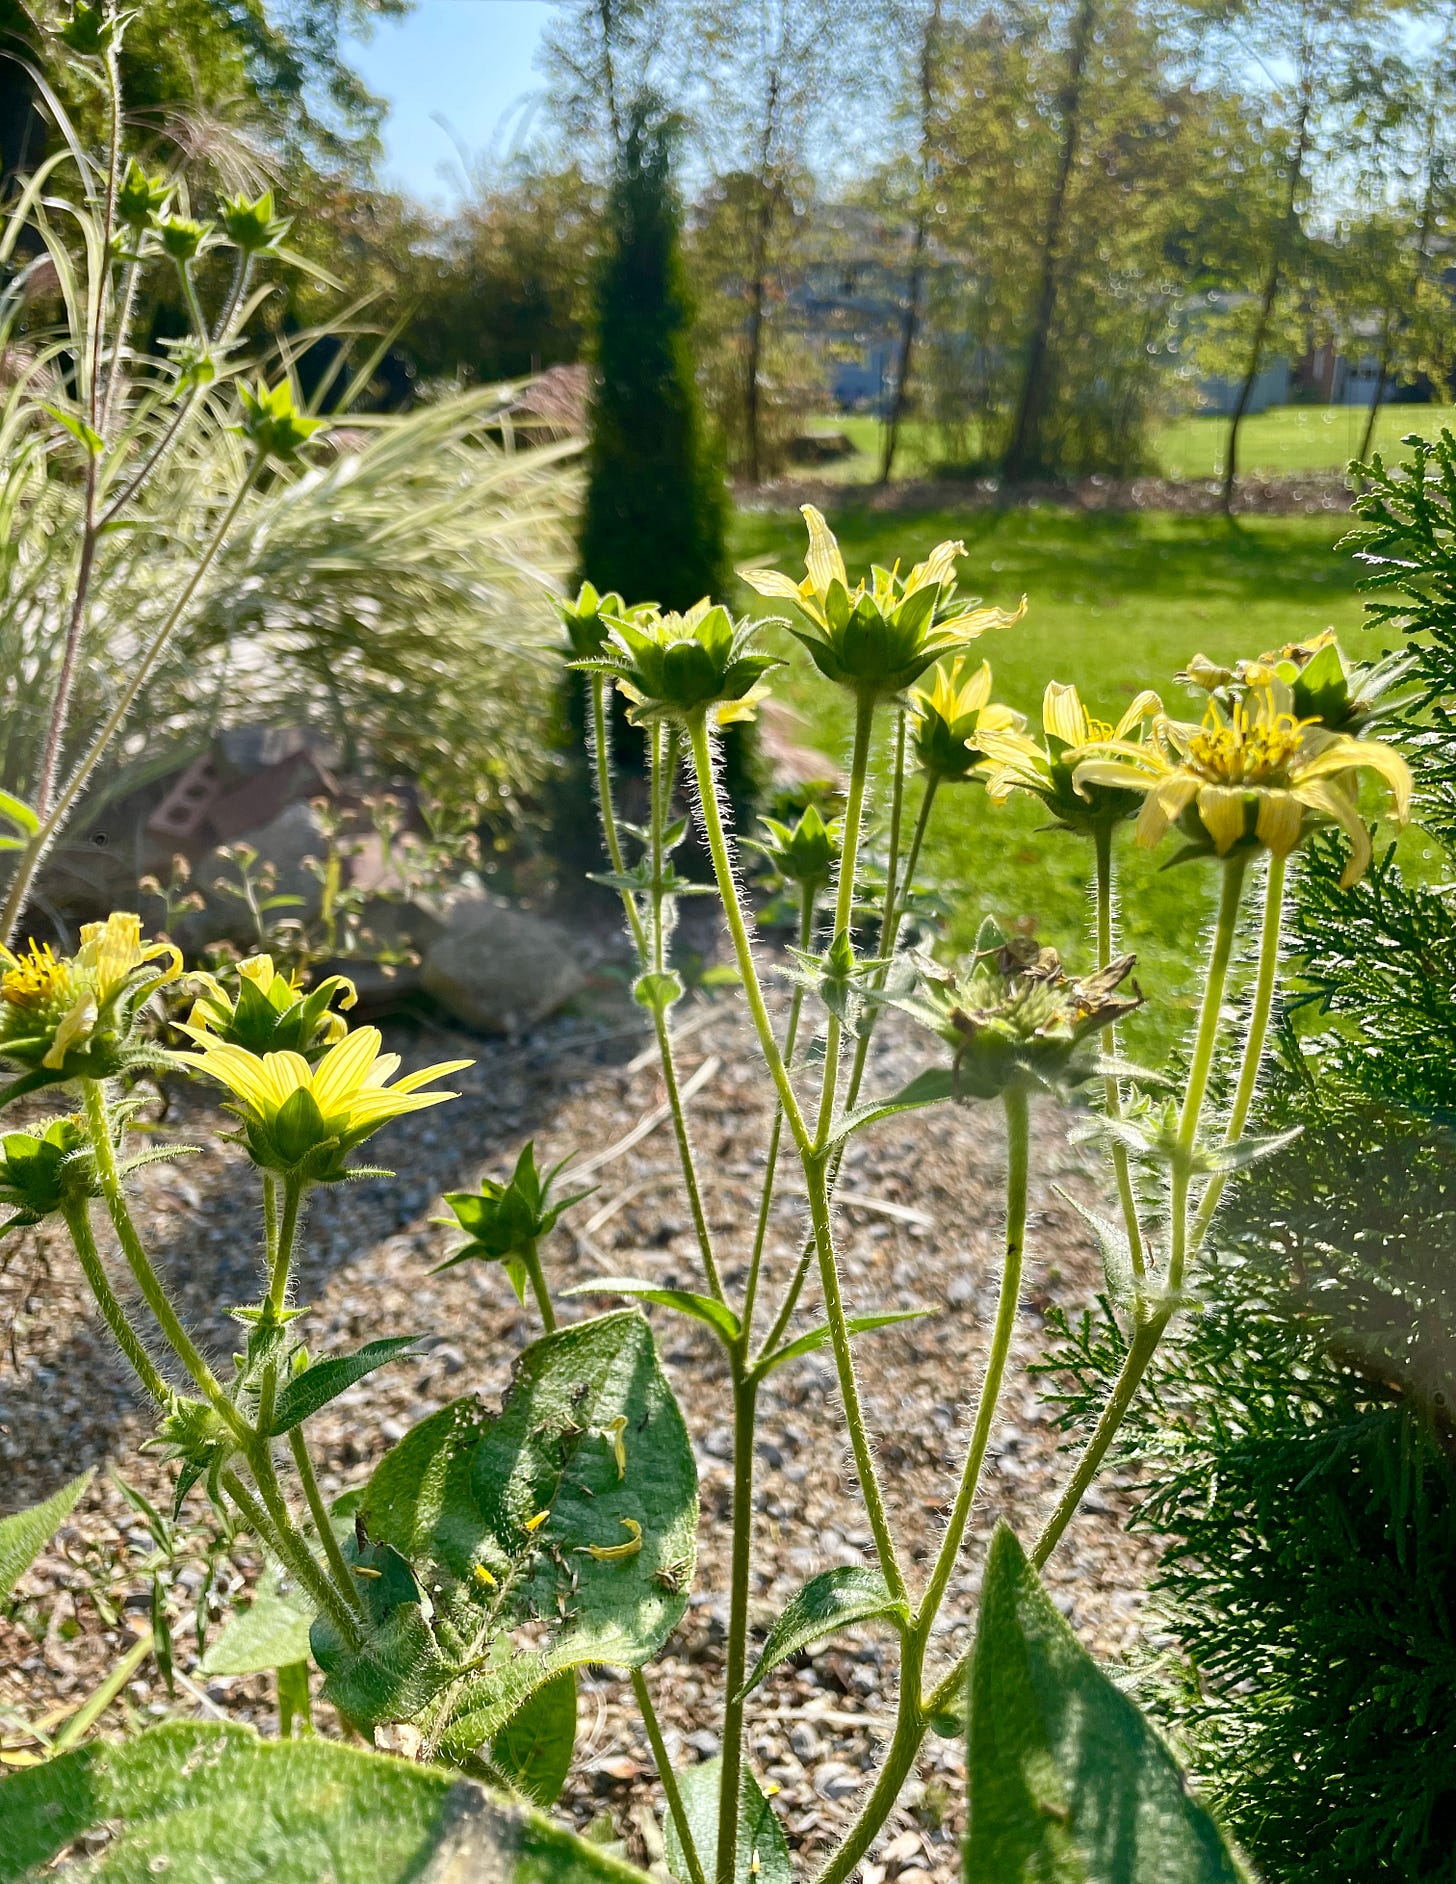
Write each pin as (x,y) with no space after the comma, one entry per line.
(305,1119)
(1070,734)
(270,1013)
(72,1016)
(879,636)
(954,715)
(1253,774)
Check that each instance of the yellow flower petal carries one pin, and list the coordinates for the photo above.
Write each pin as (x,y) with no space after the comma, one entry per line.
(1143,707)
(1343,754)
(344,1069)
(771,582)
(74,1026)
(1063,716)
(1224,812)
(1328,801)
(1280,821)
(823,562)
(1164,804)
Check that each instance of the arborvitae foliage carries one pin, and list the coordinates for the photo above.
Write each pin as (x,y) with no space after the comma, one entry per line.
(1307,1497)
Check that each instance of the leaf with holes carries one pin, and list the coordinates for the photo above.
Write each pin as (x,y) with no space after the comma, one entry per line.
(834,1600)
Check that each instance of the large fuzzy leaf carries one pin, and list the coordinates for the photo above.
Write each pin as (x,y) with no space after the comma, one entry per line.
(25,1535)
(834,1600)
(763,1854)
(271,1633)
(577,1505)
(533,1750)
(1068,1783)
(198,1803)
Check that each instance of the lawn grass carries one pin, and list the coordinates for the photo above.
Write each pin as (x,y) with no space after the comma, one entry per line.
(1283,442)
(1116,602)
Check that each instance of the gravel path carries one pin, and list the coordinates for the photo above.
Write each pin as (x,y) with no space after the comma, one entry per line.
(920,1217)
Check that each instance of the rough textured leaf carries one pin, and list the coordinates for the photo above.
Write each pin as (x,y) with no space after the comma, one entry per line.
(501,1516)
(926,1089)
(819,1337)
(197,1804)
(763,1854)
(832,1601)
(305,1393)
(1068,1783)
(399,1667)
(719,1317)
(25,1535)
(533,1750)
(271,1633)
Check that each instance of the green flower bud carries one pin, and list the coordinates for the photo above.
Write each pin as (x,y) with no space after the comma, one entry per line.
(1323,683)
(676,666)
(588,619)
(183,237)
(804,853)
(272,423)
(40,1176)
(140,199)
(252,226)
(1013,1017)
(504,1221)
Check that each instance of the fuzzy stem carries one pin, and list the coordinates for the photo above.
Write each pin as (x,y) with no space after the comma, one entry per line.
(95,1705)
(293,1554)
(78,1222)
(602,753)
(1259,1013)
(281,1260)
(745,1398)
(531,1257)
(685,1151)
(319,1511)
(844,900)
(1112,1096)
(675,1806)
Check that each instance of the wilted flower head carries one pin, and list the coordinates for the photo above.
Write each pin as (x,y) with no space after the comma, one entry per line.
(64,1017)
(252,225)
(804,852)
(271,421)
(951,717)
(1016,762)
(1323,683)
(1252,775)
(879,636)
(304,1120)
(269,1012)
(140,198)
(673,667)
(1013,1017)
(41,1175)
(505,1221)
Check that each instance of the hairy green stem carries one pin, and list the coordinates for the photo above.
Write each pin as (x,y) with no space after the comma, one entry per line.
(602,754)
(745,1403)
(897,809)
(78,1222)
(1152,1323)
(531,1257)
(319,1512)
(95,1705)
(844,900)
(1259,1013)
(293,1554)
(280,1270)
(675,1806)
(911,1718)
(1112,1094)
(685,1151)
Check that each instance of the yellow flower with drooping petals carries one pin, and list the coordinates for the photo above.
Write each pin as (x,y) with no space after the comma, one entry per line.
(1252,775)
(952,717)
(1016,762)
(71,1016)
(305,1119)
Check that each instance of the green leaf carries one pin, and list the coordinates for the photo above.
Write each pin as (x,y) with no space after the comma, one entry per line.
(272,1632)
(817,1337)
(763,1855)
(198,1803)
(926,1089)
(305,1393)
(533,1750)
(78,428)
(25,1535)
(399,1667)
(719,1317)
(16,812)
(530,1501)
(834,1600)
(1068,1782)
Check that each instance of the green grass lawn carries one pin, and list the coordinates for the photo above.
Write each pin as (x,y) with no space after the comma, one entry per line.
(1116,602)
(1284,441)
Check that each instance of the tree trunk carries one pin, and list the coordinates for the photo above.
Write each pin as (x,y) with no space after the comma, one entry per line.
(1381,376)
(910,324)
(1024,449)
(1266,308)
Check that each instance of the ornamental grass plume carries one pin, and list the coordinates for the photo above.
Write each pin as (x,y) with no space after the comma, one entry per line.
(1252,776)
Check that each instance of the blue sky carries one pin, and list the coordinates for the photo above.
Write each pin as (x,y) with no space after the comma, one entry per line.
(468,62)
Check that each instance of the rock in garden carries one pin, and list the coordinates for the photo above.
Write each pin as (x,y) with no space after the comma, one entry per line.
(501,970)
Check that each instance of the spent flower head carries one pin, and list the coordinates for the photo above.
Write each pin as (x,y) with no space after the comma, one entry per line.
(674,667)
(952,715)
(1013,1017)
(503,1222)
(269,1012)
(304,1120)
(252,225)
(881,635)
(1047,769)
(69,1016)
(1253,776)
